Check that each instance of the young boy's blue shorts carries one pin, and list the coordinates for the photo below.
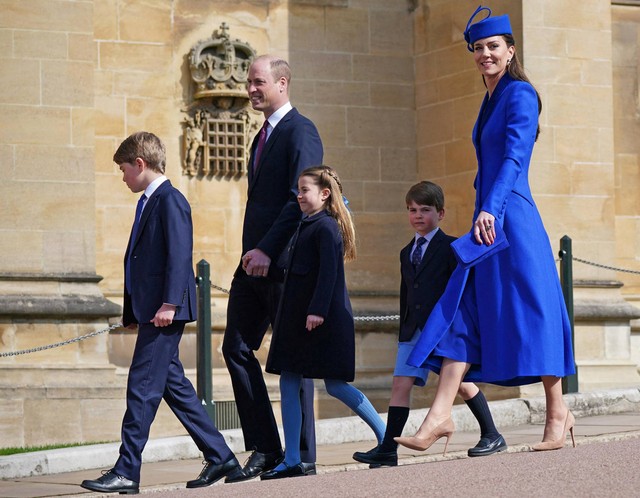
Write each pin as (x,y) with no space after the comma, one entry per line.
(404,370)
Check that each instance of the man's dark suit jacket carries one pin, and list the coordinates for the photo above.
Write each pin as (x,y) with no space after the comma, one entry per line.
(161,259)
(293,145)
(421,288)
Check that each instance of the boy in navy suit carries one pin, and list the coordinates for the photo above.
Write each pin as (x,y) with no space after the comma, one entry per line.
(426,264)
(159,299)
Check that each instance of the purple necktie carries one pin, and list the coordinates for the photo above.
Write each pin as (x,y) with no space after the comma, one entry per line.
(416,257)
(134,232)
(262,138)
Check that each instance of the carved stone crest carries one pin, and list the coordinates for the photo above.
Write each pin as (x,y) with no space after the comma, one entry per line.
(219,124)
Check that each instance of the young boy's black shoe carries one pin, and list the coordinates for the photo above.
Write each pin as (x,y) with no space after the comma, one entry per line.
(377,458)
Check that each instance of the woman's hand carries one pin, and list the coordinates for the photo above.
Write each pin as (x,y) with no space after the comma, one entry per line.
(314,321)
(483,228)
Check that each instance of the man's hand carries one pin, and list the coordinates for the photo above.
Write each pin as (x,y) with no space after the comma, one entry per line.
(256,263)
(164,316)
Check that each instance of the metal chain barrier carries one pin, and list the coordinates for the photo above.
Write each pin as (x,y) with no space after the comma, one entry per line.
(598,265)
(63,343)
(370,318)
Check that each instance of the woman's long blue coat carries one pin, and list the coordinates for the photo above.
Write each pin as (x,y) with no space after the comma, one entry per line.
(314,285)
(511,318)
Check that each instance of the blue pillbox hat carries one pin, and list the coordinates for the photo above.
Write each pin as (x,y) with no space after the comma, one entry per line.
(489,26)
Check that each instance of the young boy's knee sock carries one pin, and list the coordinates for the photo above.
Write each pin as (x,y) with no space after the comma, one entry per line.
(359,403)
(396,420)
(480,409)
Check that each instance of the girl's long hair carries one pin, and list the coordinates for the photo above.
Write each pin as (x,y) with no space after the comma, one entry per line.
(326,177)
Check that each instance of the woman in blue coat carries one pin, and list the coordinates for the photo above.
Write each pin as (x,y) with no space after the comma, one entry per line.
(509,324)
(314,336)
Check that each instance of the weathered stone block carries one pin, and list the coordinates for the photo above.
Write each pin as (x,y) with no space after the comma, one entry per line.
(11,417)
(331,122)
(105,19)
(20,82)
(393,32)
(42,421)
(307,25)
(348,28)
(130,56)
(47,16)
(343,93)
(62,162)
(322,66)
(396,69)
(110,116)
(398,165)
(157,21)
(365,128)
(398,96)
(6,43)
(139,113)
(40,45)
(17,125)
(83,128)
(565,106)
(21,250)
(82,47)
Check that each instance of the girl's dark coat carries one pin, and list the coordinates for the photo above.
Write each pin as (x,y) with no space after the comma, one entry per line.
(314,285)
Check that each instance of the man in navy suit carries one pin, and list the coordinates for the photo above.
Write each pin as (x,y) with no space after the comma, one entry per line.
(287,143)
(159,299)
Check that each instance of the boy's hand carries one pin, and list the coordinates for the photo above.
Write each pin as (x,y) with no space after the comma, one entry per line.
(164,316)
(314,321)
(256,263)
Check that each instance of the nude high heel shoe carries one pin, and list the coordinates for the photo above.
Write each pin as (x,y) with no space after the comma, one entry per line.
(445,429)
(569,422)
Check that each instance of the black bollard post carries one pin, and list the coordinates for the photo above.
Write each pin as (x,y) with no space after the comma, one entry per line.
(569,383)
(204,386)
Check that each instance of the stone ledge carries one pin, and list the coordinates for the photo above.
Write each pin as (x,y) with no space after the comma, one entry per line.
(65,307)
(592,310)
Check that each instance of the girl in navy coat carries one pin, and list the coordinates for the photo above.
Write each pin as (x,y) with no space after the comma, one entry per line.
(314,332)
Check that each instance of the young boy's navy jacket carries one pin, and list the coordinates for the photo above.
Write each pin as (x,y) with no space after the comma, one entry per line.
(162,272)
(421,288)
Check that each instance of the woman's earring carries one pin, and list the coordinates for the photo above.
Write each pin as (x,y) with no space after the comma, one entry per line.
(508,62)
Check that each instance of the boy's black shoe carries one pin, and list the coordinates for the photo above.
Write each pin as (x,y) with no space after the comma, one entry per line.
(488,446)
(110,482)
(377,458)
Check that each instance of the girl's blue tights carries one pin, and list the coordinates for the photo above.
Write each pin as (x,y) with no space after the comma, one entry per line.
(292,412)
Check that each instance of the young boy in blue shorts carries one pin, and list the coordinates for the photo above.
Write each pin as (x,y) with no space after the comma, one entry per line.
(426,264)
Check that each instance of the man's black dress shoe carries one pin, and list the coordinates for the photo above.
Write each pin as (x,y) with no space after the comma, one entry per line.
(293,471)
(257,464)
(377,458)
(110,482)
(309,468)
(488,446)
(213,472)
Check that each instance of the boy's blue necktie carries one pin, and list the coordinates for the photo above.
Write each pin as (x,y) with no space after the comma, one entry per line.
(416,257)
(134,232)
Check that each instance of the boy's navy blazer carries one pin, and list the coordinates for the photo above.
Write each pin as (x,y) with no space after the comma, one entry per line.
(294,144)
(420,289)
(161,263)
